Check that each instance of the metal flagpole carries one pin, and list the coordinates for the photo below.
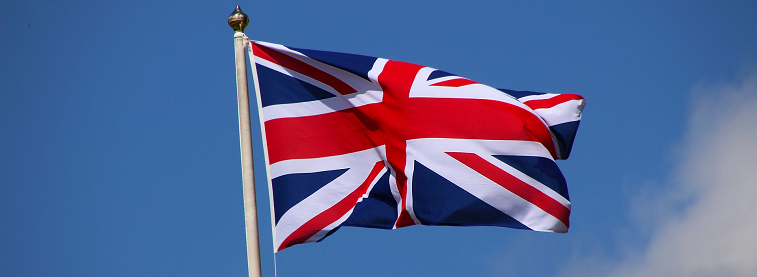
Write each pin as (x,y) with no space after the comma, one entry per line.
(238,21)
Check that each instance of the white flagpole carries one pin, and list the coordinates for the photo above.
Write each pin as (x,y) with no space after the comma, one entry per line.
(238,21)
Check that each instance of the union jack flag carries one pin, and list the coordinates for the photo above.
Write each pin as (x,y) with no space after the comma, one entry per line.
(360,141)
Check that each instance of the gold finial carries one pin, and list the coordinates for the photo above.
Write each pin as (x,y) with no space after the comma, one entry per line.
(238,20)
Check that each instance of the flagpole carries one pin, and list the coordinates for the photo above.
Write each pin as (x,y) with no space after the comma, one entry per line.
(238,21)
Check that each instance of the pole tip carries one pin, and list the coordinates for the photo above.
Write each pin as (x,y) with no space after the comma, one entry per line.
(238,20)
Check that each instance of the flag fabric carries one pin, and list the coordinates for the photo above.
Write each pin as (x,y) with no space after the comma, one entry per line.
(361,141)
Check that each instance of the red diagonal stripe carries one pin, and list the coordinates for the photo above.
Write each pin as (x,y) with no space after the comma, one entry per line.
(454,83)
(515,185)
(551,102)
(320,221)
(290,63)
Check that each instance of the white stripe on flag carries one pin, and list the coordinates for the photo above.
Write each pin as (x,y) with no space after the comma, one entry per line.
(562,113)
(431,153)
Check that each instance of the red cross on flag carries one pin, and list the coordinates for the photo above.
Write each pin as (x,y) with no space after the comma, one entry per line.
(362,141)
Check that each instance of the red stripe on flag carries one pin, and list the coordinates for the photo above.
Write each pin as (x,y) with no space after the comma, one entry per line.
(372,125)
(551,102)
(324,135)
(474,119)
(274,56)
(396,80)
(515,185)
(332,214)
(459,82)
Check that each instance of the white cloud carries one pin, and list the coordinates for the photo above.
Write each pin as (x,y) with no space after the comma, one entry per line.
(715,234)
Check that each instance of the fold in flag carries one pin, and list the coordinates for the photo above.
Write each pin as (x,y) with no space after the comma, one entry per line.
(360,141)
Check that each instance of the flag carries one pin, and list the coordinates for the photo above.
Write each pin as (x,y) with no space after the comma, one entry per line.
(353,140)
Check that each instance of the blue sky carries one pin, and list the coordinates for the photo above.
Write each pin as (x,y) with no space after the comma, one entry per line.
(119,151)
